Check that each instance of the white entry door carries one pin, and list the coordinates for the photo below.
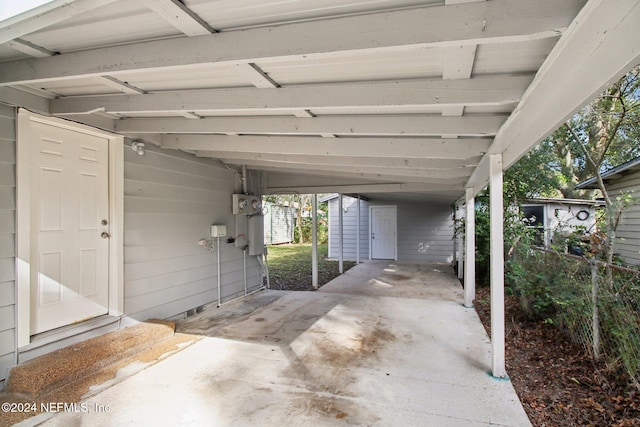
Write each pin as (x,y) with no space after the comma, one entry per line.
(383,232)
(69,187)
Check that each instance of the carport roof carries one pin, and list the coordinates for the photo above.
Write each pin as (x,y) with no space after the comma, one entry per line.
(408,97)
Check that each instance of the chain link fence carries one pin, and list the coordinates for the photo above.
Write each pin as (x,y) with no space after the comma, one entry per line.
(596,304)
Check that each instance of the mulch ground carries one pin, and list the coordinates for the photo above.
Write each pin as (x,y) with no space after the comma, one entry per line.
(558,384)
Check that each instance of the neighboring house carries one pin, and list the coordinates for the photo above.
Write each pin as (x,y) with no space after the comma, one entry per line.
(564,216)
(391,230)
(624,180)
(279,223)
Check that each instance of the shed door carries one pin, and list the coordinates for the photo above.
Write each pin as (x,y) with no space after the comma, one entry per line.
(383,232)
(69,214)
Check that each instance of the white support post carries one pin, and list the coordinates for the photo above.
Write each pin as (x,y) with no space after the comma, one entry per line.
(358,232)
(497,267)
(455,240)
(470,250)
(460,246)
(341,236)
(314,239)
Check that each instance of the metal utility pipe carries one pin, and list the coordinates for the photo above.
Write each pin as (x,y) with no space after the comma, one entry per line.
(266,266)
(358,233)
(314,244)
(244,179)
(219,278)
(246,291)
(341,235)
(244,265)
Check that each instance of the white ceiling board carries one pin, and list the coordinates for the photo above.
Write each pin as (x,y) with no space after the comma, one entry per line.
(45,15)
(86,86)
(121,22)
(511,58)
(200,77)
(358,66)
(227,14)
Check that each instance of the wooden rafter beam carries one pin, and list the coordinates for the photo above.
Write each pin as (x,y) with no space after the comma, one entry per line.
(387,176)
(343,161)
(426,148)
(419,125)
(406,173)
(478,91)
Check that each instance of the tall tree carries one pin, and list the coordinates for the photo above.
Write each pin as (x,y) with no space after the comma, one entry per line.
(605,134)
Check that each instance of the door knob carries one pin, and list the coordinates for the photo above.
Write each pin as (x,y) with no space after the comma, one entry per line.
(105,235)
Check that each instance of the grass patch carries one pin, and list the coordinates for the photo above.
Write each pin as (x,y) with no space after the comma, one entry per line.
(290,267)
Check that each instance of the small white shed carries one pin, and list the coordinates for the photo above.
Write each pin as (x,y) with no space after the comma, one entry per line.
(279,223)
(551,216)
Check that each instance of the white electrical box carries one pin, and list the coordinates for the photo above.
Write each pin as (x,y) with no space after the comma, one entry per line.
(218,230)
(256,235)
(246,204)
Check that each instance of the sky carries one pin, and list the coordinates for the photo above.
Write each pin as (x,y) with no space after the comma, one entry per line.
(9,8)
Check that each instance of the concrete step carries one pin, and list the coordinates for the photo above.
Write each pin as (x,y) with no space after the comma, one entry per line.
(47,373)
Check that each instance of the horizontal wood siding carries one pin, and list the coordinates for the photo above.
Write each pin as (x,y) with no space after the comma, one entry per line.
(171,200)
(425,231)
(627,242)
(7,239)
(350,224)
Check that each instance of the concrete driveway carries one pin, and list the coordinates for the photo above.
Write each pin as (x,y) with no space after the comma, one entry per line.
(386,344)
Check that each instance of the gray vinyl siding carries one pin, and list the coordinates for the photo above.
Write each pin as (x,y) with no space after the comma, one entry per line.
(350,224)
(171,199)
(279,222)
(7,239)
(627,242)
(425,231)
